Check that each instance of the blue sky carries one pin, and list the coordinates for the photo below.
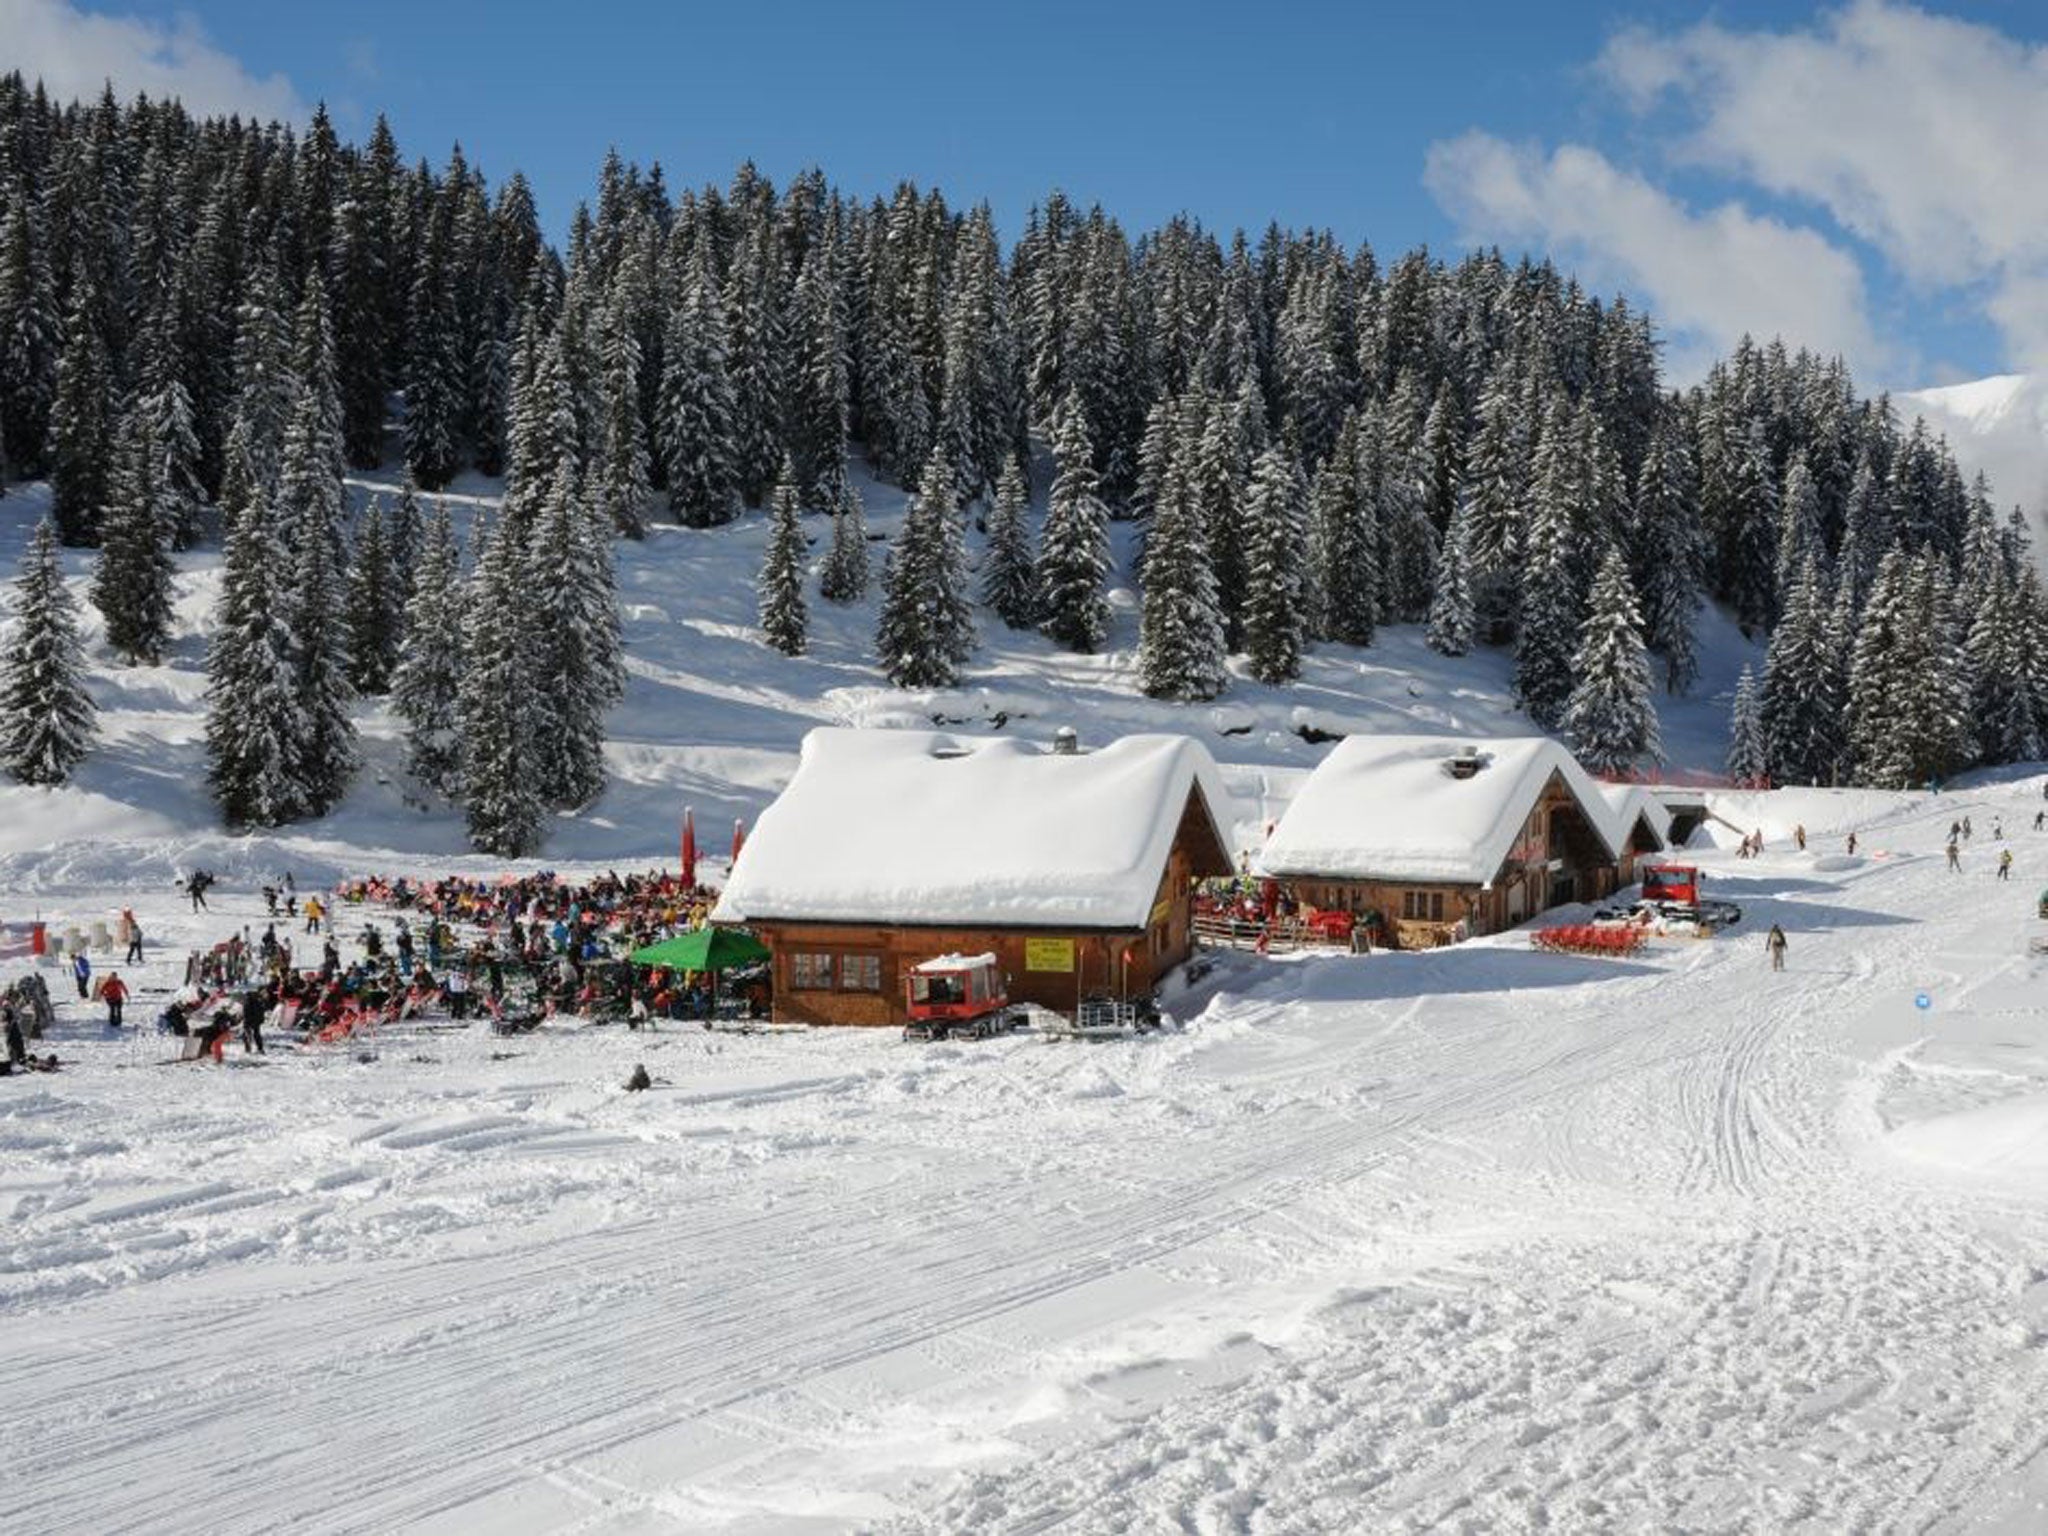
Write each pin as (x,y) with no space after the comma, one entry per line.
(1612,135)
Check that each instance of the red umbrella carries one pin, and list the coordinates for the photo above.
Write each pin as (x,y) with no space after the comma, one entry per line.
(689,848)
(739,838)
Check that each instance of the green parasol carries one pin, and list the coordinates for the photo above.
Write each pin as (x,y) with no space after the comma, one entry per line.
(707,949)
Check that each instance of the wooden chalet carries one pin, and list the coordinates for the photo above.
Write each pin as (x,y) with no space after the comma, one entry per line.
(1075,868)
(1441,838)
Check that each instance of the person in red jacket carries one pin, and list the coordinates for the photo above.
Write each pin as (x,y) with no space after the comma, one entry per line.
(113,992)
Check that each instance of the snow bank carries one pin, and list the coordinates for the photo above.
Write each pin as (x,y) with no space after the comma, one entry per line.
(926,827)
(2007,1140)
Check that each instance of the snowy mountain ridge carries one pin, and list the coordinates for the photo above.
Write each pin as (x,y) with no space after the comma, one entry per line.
(1998,425)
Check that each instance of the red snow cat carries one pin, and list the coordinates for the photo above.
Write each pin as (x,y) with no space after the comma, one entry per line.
(957,995)
(1677,894)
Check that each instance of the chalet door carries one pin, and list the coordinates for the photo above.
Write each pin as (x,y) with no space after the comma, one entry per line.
(1518,902)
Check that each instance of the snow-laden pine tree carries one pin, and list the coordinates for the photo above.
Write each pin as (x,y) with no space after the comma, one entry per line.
(1551,605)
(1672,549)
(254,715)
(166,404)
(1452,619)
(1750,572)
(1180,630)
(46,716)
(1344,571)
(83,420)
(405,531)
(375,606)
(925,631)
(1073,551)
(1493,479)
(844,578)
(621,476)
(815,407)
(1275,548)
(1609,718)
(131,584)
(496,712)
(425,687)
(1747,765)
(1880,671)
(1800,535)
(434,366)
(579,671)
(1801,711)
(1009,571)
(2002,668)
(313,597)
(785,620)
(699,427)
(30,328)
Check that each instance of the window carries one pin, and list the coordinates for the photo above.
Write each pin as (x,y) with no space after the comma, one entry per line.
(1422,906)
(860,973)
(810,973)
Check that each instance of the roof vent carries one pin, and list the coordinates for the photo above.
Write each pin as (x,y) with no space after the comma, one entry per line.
(1467,763)
(1066,742)
(946,749)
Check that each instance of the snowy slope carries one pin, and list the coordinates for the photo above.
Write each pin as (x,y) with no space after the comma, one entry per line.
(712,718)
(1998,425)
(1483,1239)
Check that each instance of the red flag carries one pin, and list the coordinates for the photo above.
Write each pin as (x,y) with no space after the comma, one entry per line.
(739,838)
(689,848)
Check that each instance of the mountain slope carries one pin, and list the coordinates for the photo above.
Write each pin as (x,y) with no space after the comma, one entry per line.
(712,718)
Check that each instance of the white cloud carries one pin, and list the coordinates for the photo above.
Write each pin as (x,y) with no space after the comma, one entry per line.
(1707,276)
(1922,134)
(75,52)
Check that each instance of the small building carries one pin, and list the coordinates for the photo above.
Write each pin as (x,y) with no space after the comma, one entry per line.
(1075,868)
(1444,837)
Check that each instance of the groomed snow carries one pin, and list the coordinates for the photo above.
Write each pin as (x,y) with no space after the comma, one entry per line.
(928,827)
(1480,1239)
(1389,807)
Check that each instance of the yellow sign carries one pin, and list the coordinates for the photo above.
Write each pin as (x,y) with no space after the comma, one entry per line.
(1048,954)
(1160,912)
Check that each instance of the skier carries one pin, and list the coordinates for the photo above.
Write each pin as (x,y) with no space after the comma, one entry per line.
(1968,832)
(1774,941)
(81,972)
(134,939)
(1998,829)
(1955,859)
(195,887)
(113,992)
(639,1080)
(2040,819)
(457,987)
(2005,865)
(313,914)
(1852,844)
(1799,836)
(1955,831)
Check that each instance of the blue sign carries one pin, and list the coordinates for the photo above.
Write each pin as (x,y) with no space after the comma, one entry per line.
(1922,1001)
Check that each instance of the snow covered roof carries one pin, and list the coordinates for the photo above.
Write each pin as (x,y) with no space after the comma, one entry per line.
(925,827)
(951,963)
(1392,808)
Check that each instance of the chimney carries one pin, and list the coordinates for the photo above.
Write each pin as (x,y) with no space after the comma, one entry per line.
(1466,763)
(1066,742)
